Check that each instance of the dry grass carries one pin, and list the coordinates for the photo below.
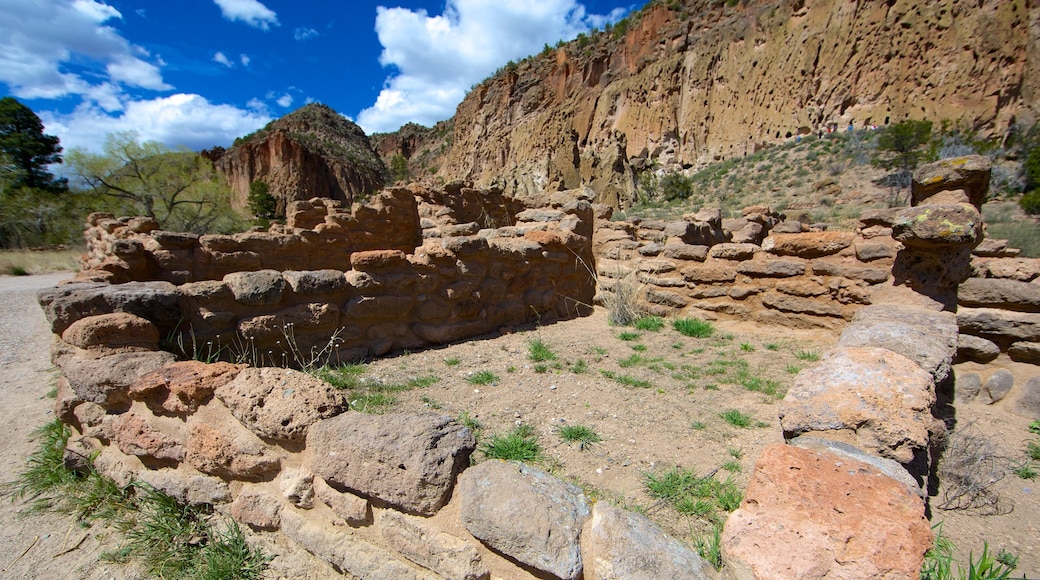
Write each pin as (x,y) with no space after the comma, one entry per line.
(24,262)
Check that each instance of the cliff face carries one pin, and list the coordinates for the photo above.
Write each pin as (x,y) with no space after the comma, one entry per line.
(311,152)
(692,82)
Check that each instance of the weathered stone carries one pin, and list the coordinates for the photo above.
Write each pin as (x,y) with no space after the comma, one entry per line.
(750,233)
(1027,352)
(1021,269)
(807,245)
(259,288)
(887,466)
(771,268)
(493,494)
(119,331)
(971,174)
(733,251)
(816,307)
(709,273)
(297,486)
(851,271)
(376,260)
(801,287)
(431,548)
(154,301)
(1027,403)
(76,457)
(992,248)
(655,266)
(257,509)
(670,299)
(135,435)
(227,449)
(408,461)
(351,508)
(650,250)
(301,321)
(813,514)
(873,398)
(107,380)
(617,544)
(999,293)
(870,251)
(280,403)
(925,337)
(976,348)
(378,307)
(997,386)
(347,551)
(999,325)
(677,250)
(186,486)
(789,227)
(310,282)
(938,226)
(967,387)
(182,386)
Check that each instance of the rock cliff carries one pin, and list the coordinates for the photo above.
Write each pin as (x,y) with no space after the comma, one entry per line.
(685,83)
(311,152)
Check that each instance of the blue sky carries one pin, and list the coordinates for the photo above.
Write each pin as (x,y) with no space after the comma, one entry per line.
(202,72)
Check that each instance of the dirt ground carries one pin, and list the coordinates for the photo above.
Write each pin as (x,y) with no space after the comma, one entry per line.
(668,414)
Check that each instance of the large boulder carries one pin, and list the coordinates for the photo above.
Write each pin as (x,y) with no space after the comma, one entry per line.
(873,398)
(617,544)
(280,403)
(969,174)
(811,514)
(408,461)
(526,514)
(106,380)
(115,332)
(938,226)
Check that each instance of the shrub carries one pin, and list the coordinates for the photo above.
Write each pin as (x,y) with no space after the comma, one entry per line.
(1030,202)
(675,186)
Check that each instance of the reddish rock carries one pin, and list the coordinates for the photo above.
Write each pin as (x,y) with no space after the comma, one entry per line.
(135,435)
(771,268)
(733,251)
(711,272)
(182,386)
(811,514)
(807,245)
(934,182)
(374,260)
(117,331)
(107,380)
(257,509)
(229,450)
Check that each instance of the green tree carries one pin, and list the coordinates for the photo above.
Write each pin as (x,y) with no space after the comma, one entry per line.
(899,151)
(261,203)
(178,188)
(26,146)
(399,168)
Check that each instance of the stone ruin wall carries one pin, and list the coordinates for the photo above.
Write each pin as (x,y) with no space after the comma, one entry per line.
(394,496)
(409,270)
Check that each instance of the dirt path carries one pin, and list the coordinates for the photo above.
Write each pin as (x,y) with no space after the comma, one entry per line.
(44,545)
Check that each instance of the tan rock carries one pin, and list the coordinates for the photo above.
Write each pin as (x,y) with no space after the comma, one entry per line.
(941,180)
(135,435)
(873,398)
(445,554)
(353,509)
(280,403)
(812,514)
(807,245)
(229,450)
(119,331)
(257,509)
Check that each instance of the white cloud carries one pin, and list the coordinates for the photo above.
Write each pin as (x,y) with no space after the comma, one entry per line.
(284,100)
(179,119)
(222,58)
(304,33)
(54,48)
(437,58)
(251,12)
(244,58)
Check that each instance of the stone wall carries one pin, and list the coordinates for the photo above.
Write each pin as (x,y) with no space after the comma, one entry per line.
(394,495)
(408,270)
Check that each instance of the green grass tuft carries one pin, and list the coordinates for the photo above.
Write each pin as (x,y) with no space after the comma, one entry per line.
(693,327)
(482,378)
(519,444)
(736,418)
(580,434)
(649,323)
(538,351)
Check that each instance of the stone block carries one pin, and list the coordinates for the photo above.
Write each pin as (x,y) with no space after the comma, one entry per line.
(813,514)
(677,250)
(1005,294)
(257,509)
(712,272)
(999,325)
(376,260)
(976,348)
(852,271)
(617,544)
(873,398)
(311,282)
(154,301)
(181,387)
(443,553)
(107,380)
(280,403)
(807,245)
(925,337)
(408,461)
(967,387)
(137,435)
(997,386)
(1027,352)
(351,508)
(937,226)
(494,493)
(225,448)
(813,306)
(771,268)
(119,331)
(259,288)
(971,174)
(733,251)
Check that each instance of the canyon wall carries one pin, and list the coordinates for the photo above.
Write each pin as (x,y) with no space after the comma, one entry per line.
(682,84)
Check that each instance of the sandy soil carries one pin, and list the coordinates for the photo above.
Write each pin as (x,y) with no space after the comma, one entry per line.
(672,419)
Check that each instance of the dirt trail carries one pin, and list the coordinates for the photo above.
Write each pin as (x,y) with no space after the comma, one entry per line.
(44,545)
